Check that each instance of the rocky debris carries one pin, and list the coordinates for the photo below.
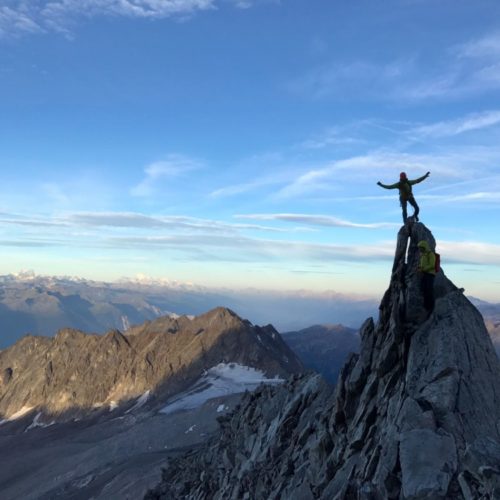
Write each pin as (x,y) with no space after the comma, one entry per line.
(415,415)
(73,373)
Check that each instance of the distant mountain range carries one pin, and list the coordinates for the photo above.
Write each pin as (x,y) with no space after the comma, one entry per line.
(491,315)
(41,305)
(324,348)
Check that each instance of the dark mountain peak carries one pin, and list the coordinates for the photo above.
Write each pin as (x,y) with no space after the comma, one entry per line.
(414,415)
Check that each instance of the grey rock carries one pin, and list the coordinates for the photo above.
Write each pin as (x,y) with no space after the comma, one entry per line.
(404,411)
(428,462)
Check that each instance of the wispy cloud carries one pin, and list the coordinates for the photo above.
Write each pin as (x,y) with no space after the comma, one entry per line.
(474,121)
(333,136)
(317,220)
(330,177)
(470,252)
(131,220)
(209,240)
(464,69)
(485,47)
(18,19)
(21,17)
(237,189)
(256,249)
(350,79)
(156,173)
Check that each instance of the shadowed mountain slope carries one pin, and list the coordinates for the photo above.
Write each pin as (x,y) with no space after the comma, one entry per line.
(415,415)
(73,373)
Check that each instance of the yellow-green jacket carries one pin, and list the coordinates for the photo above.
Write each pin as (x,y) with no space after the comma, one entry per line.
(404,186)
(427,262)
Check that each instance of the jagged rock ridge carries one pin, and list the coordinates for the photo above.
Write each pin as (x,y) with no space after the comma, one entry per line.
(73,373)
(415,415)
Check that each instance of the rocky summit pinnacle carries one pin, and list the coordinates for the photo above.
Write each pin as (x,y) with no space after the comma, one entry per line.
(415,415)
(74,373)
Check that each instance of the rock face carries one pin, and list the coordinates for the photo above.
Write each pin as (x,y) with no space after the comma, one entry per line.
(415,415)
(73,373)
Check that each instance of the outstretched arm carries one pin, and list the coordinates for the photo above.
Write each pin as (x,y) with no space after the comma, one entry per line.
(388,186)
(420,179)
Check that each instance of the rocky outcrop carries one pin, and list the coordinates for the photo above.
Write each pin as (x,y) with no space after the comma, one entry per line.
(73,373)
(415,415)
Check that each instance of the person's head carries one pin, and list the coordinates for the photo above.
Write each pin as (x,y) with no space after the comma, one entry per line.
(423,246)
(402,176)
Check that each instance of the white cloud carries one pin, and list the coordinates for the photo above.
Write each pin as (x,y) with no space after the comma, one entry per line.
(317,220)
(471,252)
(158,172)
(191,238)
(468,123)
(18,21)
(487,46)
(236,189)
(467,69)
(358,168)
(36,16)
(254,249)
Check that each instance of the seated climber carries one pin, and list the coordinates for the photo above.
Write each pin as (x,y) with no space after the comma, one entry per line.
(427,268)
(405,192)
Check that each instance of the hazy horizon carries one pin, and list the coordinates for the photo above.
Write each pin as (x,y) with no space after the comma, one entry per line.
(238,143)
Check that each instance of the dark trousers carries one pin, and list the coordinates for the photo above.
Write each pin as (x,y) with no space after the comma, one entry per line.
(428,291)
(413,203)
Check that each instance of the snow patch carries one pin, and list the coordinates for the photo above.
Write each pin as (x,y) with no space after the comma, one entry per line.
(36,422)
(113,405)
(141,401)
(221,380)
(191,429)
(125,323)
(221,408)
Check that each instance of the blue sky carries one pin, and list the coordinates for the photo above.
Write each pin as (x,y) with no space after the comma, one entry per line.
(238,143)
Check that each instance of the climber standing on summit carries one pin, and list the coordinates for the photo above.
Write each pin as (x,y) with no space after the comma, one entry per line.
(405,192)
(427,268)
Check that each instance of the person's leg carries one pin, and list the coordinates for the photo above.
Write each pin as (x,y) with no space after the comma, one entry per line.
(432,300)
(428,291)
(413,203)
(403,207)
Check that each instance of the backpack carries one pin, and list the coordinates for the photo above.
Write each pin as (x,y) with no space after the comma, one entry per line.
(437,264)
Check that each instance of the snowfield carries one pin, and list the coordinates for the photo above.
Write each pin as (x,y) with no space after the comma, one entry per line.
(221,380)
